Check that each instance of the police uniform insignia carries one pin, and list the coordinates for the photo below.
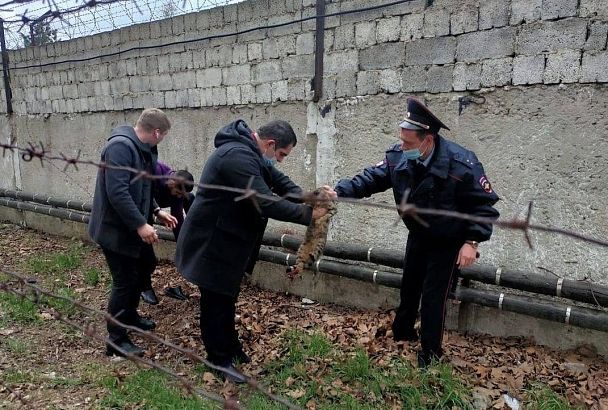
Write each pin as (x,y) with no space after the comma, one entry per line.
(485,184)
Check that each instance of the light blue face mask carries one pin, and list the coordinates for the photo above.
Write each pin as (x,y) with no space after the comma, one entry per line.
(412,154)
(271,162)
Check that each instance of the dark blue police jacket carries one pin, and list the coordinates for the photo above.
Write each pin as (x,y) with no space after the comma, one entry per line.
(453,181)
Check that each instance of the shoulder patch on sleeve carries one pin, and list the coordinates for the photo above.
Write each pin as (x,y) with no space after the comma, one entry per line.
(485,184)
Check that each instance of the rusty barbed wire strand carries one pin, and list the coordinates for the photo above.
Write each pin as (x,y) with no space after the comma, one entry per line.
(148,335)
(32,151)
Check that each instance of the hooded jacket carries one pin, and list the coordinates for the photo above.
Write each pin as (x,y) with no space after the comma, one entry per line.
(220,237)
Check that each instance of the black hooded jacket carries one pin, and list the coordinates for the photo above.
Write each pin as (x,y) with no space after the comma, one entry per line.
(220,237)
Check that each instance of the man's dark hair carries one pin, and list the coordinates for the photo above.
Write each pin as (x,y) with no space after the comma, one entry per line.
(182,173)
(280,131)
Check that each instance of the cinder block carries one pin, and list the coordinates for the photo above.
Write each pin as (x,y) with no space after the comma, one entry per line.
(71,90)
(593,8)
(163,65)
(480,45)
(212,57)
(551,36)
(414,79)
(269,49)
(194,98)
(181,99)
(254,35)
(279,90)
(236,74)
(528,69)
(390,81)
(382,56)
(118,86)
(341,61)
(218,95)
(209,77)
(467,77)
(464,19)
(553,9)
(388,30)
(305,43)
(184,80)
(161,82)
(198,59)
(436,22)
(368,82)
(411,27)
(247,94)
(266,71)
(206,97)
(440,50)
(138,84)
(170,99)
(439,79)
(298,67)
(233,95)
(497,73)
(254,51)
(263,93)
(493,13)
(283,30)
(296,90)
(286,45)
(365,34)
(344,37)
(346,84)
(564,67)
(594,67)
(598,33)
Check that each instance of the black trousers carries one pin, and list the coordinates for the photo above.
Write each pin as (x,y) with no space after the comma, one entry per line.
(129,276)
(429,268)
(218,331)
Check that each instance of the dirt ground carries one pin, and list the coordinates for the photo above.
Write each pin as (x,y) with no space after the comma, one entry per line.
(55,366)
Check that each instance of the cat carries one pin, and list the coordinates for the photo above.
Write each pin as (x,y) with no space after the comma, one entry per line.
(312,247)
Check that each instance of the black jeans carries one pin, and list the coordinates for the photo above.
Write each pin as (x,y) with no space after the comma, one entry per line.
(128,280)
(218,331)
(429,268)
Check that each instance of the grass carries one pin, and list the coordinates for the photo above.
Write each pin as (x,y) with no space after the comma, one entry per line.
(17,309)
(148,389)
(92,276)
(541,397)
(15,345)
(56,262)
(315,370)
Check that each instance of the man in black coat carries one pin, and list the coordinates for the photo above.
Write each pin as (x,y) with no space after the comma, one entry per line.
(220,237)
(437,173)
(122,217)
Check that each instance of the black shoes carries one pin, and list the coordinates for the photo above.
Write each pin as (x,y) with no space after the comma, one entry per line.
(176,293)
(149,297)
(241,357)
(126,348)
(145,324)
(426,358)
(231,373)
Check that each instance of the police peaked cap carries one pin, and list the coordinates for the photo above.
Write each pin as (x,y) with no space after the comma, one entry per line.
(419,117)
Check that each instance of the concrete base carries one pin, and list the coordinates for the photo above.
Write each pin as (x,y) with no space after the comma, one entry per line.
(325,288)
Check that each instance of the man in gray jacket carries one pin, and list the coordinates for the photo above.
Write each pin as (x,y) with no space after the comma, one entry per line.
(122,217)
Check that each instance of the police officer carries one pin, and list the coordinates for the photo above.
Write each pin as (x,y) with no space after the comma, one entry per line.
(438,174)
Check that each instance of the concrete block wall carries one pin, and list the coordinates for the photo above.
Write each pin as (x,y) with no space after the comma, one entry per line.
(411,47)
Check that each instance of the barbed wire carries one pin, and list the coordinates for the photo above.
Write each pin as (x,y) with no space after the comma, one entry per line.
(91,331)
(404,209)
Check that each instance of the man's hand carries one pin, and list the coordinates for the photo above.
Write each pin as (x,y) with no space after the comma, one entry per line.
(167,219)
(329,191)
(466,256)
(148,234)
